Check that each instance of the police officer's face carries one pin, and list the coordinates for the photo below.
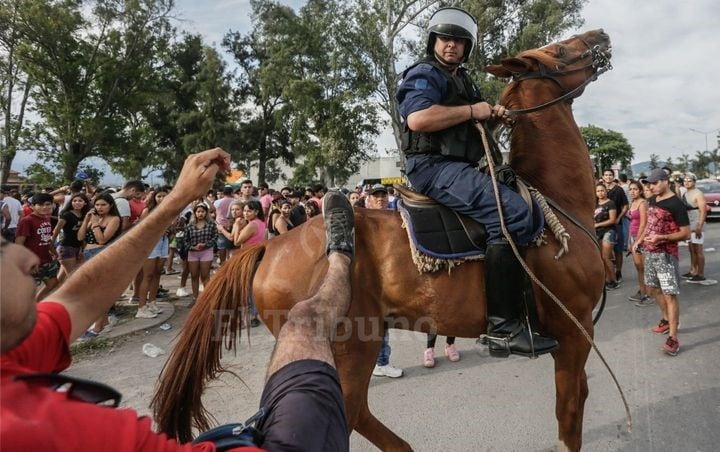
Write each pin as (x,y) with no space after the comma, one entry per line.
(450,49)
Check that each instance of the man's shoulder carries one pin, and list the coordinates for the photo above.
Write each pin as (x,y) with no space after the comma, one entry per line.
(46,348)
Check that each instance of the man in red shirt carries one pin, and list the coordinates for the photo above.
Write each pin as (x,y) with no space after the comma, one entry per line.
(35,233)
(667,224)
(43,410)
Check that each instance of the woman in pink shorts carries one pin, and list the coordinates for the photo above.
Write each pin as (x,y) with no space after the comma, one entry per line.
(200,238)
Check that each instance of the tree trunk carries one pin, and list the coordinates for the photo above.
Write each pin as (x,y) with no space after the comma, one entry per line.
(71,162)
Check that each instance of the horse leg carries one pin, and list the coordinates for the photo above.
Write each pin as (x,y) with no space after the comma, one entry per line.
(355,359)
(571,391)
(377,433)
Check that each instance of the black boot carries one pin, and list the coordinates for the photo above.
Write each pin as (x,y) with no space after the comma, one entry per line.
(508,331)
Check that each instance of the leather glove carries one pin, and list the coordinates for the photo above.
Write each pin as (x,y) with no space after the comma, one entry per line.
(506,176)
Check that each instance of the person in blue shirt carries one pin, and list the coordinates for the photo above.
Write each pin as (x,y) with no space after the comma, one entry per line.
(440,104)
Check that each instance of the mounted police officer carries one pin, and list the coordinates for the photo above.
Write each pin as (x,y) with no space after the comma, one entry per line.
(440,105)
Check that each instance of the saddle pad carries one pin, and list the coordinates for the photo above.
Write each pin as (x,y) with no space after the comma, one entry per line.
(440,232)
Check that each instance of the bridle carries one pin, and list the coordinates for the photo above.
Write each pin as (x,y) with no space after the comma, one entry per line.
(599,63)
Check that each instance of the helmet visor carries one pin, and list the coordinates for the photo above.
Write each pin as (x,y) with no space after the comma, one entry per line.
(453,22)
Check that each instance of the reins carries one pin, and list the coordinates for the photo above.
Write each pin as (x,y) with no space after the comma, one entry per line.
(536,280)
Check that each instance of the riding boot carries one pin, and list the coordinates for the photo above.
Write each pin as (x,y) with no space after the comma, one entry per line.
(508,330)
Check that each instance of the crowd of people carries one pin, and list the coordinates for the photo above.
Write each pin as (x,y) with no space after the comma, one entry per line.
(648,219)
(68,226)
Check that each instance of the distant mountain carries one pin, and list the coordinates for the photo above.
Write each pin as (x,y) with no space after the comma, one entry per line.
(644,167)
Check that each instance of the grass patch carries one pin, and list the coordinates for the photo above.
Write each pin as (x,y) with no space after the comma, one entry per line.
(91,347)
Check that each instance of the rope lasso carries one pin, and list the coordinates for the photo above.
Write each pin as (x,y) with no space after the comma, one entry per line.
(535,279)
(553,222)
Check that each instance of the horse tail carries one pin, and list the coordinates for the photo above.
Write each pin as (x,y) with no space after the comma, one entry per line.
(177,404)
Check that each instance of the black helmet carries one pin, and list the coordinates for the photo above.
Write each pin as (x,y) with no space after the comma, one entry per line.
(453,22)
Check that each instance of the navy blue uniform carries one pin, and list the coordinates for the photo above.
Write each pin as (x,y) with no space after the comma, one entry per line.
(454,182)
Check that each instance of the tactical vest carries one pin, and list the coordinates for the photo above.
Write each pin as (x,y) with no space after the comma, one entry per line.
(461,141)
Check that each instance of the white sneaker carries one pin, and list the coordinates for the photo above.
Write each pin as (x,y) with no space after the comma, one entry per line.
(145,313)
(154,308)
(182,292)
(387,371)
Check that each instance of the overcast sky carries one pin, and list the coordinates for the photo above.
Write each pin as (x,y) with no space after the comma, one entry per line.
(666,77)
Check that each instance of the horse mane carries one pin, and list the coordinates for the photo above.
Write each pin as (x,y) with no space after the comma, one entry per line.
(215,319)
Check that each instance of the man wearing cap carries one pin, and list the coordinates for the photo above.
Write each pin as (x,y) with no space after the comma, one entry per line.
(667,224)
(377,199)
(440,105)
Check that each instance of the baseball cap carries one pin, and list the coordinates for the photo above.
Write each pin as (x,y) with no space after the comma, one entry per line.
(657,174)
(376,188)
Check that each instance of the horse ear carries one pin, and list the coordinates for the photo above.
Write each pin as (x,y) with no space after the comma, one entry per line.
(508,67)
(498,71)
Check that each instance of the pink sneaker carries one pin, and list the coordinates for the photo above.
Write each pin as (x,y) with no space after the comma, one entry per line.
(429,358)
(661,328)
(452,353)
(671,346)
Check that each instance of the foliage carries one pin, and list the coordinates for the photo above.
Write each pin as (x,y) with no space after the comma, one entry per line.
(309,90)
(654,161)
(91,65)
(15,85)
(607,147)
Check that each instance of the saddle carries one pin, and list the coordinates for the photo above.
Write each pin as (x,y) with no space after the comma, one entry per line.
(438,231)
(441,237)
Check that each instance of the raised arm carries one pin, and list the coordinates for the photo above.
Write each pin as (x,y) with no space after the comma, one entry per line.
(81,294)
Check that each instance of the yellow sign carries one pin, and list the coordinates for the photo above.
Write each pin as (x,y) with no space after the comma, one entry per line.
(392,180)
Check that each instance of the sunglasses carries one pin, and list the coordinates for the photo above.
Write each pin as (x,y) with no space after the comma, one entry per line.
(76,388)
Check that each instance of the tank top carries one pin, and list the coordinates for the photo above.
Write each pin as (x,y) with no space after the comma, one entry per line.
(689,199)
(634,216)
(259,235)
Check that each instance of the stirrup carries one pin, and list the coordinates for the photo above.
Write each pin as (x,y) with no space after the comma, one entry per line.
(500,346)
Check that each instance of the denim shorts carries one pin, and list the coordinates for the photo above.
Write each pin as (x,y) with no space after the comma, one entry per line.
(67,252)
(608,237)
(46,271)
(223,243)
(92,252)
(161,249)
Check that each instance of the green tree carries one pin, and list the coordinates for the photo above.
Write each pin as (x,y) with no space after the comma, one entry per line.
(15,87)
(700,164)
(89,62)
(333,97)
(683,164)
(264,57)
(607,147)
(654,161)
(309,88)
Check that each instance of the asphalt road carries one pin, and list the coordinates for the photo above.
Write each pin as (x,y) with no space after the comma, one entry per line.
(483,403)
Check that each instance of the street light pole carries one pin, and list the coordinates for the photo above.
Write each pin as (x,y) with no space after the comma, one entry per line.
(702,133)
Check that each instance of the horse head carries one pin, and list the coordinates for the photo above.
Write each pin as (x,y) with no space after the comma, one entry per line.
(568,65)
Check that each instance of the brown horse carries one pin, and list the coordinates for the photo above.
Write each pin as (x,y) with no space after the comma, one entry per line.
(548,151)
